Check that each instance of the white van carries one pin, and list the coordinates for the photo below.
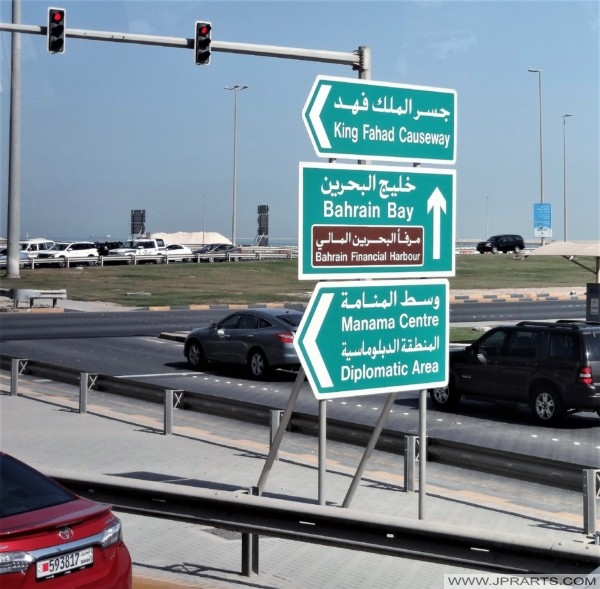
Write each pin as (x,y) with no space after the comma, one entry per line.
(34,246)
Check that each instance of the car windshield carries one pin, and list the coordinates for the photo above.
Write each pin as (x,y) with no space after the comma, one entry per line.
(60,246)
(22,489)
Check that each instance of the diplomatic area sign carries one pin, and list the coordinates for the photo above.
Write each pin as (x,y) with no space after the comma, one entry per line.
(362,119)
(380,336)
(373,221)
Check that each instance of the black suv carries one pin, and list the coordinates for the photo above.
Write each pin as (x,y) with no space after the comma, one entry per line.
(552,367)
(501,243)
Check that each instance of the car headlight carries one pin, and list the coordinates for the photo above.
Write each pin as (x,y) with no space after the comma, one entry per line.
(14,562)
(112,534)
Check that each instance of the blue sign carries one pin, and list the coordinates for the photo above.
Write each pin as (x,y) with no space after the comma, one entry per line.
(542,219)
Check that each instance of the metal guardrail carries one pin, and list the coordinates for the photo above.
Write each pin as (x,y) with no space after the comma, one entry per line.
(345,528)
(545,471)
(249,255)
(333,526)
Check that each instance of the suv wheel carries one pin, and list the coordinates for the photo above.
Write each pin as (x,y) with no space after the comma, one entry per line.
(547,406)
(517,249)
(444,398)
(494,249)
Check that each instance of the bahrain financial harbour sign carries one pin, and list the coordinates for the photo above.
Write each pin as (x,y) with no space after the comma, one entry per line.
(375,221)
(361,119)
(380,336)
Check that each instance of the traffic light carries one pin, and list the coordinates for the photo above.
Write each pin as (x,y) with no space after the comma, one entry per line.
(56,30)
(202,43)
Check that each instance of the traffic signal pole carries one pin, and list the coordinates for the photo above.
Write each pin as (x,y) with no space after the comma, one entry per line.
(359,60)
(356,59)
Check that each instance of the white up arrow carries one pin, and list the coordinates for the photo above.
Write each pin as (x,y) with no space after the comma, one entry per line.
(437,202)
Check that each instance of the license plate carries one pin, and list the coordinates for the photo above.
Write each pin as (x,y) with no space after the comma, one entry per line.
(64,563)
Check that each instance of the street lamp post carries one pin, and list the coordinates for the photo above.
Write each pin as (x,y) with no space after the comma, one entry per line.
(539,73)
(237,88)
(203,219)
(565,174)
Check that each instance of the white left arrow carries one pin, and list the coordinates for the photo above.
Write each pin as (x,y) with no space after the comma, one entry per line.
(315,116)
(310,341)
(437,202)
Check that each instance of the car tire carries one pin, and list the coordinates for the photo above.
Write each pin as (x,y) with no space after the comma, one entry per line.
(258,366)
(517,249)
(210,260)
(62,263)
(547,405)
(195,356)
(159,261)
(494,249)
(92,262)
(444,398)
(130,260)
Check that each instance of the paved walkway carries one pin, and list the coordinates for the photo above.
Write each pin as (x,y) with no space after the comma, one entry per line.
(123,438)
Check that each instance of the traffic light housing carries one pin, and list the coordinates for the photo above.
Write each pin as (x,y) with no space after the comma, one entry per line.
(202,43)
(56,30)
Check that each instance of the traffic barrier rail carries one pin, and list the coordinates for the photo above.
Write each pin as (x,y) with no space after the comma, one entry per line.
(242,511)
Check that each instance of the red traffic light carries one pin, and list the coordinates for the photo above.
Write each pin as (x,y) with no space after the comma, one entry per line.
(57,17)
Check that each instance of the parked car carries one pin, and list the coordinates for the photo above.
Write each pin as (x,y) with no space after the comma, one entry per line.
(34,246)
(52,538)
(220,252)
(23,257)
(554,368)
(179,253)
(501,243)
(61,252)
(260,339)
(141,247)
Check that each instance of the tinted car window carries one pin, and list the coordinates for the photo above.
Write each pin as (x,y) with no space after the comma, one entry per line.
(521,343)
(592,345)
(230,322)
(492,344)
(563,347)
(23,490)
(248,322)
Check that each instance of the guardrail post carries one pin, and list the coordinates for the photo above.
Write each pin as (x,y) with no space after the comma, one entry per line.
(17,366)
(170,396)
(250,545)
(86,382)
(410,459)
(83,392)
(168,417)
(591,492)
(275,419)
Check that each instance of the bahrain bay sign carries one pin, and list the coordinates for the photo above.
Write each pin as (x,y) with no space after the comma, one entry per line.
(362,119)
(379,336)
(375,221)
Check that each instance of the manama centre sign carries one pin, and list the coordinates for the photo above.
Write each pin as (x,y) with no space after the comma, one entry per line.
(362,119)
(380,336)
(375,221)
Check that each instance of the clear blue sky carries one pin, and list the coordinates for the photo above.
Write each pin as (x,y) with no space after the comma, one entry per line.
(111,127)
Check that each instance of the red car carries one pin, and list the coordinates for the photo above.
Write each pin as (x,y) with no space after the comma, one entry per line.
(49,534)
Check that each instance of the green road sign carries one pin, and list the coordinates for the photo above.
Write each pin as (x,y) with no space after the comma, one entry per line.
(380,336)
(374,221)
(361,119)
